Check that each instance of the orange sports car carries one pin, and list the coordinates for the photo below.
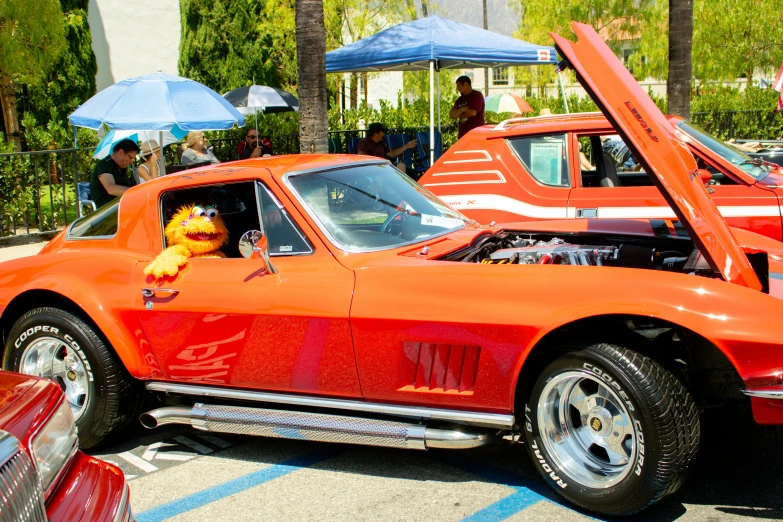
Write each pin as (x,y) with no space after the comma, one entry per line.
(330,298)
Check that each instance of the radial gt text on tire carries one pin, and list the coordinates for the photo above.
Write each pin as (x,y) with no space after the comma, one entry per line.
(611,430)
(58,345)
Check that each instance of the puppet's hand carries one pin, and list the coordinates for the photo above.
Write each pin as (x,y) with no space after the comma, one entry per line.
(168,262)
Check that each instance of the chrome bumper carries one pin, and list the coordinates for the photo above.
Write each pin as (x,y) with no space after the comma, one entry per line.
(768,393)
(124,512)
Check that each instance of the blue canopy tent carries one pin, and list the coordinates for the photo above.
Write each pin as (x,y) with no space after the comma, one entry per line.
(435,43)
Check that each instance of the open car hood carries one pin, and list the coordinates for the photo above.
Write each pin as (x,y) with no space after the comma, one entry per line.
(656,145)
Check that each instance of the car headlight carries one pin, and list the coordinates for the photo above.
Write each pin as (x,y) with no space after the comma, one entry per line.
(55,444)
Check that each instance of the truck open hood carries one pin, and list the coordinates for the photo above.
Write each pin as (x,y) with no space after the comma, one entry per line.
(655,144)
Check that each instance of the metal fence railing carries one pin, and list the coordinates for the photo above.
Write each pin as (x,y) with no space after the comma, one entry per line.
(38,189)
(745,124)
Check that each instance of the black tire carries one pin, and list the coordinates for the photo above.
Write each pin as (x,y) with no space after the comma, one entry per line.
(665,430)
(113,395)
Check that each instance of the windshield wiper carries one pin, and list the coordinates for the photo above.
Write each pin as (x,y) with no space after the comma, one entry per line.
(753,161)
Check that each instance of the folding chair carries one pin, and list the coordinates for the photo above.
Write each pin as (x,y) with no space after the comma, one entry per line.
(395,141)
(422,162)
(335,147)
(83,190)
(352,144)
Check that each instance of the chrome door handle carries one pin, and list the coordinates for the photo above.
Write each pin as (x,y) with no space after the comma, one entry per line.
(587,212)
(150,292)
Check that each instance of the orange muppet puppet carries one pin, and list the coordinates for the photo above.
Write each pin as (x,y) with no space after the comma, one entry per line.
(194,231)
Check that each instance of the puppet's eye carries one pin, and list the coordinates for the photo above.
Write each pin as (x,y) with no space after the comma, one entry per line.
(212,213)
(199,212)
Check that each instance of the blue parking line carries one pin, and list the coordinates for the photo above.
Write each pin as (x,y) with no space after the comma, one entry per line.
(521,499)
(506,507)
(232,487)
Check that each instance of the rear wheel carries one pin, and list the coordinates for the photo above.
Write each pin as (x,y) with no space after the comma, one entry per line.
(57,345)
(611,430)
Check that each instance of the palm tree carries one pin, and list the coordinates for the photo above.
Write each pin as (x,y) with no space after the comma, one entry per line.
(678,90)
(311,69)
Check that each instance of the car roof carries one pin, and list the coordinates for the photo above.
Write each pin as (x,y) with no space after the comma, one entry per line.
(572,122)
(276,166)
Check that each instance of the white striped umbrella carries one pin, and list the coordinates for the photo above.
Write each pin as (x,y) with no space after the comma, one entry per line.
(506,103)
(259,98)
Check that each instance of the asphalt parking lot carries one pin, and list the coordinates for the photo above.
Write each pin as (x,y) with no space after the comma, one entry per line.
(181,474)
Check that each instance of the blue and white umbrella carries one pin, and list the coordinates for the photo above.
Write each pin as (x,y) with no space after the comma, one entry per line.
(157,102)
(111,138)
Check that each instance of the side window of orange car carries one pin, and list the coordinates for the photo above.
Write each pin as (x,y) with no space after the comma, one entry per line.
(285,237)
(606,161)
(236,203)
(544,157)
(101,224)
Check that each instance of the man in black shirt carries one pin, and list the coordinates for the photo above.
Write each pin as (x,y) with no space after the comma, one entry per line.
(110,177)
(254,147)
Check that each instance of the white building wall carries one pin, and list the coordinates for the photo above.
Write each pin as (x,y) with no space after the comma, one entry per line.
(383,86)
(132,38)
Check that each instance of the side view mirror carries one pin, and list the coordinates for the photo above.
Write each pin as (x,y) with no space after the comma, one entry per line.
(254,245)
(704,175)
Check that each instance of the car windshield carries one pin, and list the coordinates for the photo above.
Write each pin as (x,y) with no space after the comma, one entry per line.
(373,207)
(731,154)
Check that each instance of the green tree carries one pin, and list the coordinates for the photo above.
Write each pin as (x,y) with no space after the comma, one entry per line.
(71,81)
(730,40)
(613,19)
(733,39)
(225,44)
(31,40)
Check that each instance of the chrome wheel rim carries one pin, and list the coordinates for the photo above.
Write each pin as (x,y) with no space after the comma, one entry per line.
(586,429)
(52,359)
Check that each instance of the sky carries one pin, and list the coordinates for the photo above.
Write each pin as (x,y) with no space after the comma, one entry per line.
(501,18)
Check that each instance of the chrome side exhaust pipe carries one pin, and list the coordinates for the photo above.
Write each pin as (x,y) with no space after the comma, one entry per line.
(313,426)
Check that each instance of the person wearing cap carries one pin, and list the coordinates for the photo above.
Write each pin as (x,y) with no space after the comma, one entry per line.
(150,155)
(373,145)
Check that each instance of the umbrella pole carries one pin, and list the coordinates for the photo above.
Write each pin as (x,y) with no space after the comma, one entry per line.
(162,167)
(562,90)
(432,112)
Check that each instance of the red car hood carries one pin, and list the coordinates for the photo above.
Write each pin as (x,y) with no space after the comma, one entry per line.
(656,145)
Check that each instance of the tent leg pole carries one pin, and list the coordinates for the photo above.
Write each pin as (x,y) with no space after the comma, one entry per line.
(432,112)
(162,166)
(562,90)
(438,100)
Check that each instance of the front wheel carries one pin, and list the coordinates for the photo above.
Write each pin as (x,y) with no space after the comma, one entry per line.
(611,430)
(58,345)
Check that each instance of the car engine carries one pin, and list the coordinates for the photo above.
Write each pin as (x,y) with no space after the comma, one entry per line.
(513,249)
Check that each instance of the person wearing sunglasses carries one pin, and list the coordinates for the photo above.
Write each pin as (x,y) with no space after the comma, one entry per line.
(110,178)
(254,147)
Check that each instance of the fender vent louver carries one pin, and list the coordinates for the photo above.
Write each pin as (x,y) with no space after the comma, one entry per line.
(439,367)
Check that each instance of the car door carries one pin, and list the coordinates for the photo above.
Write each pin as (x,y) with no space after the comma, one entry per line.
(743,206)
(506,180)
(634,197)
(227,322)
